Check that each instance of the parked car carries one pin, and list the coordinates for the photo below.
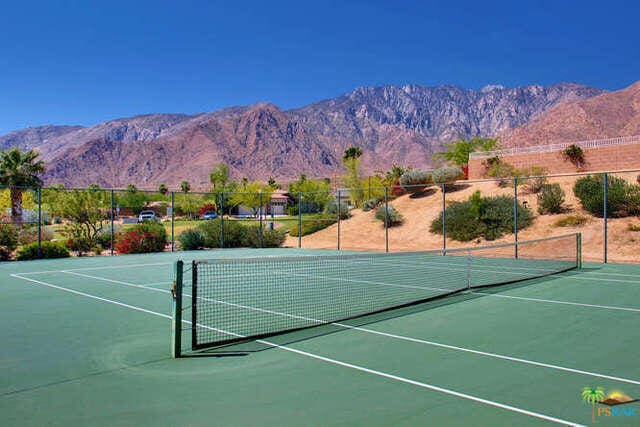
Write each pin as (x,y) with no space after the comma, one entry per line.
(210,215)
(148,216)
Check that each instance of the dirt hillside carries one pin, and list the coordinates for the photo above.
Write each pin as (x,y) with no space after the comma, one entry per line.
(363,232)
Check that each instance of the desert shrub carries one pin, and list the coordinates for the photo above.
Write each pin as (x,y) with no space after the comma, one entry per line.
(638,179)
(332,209)
(623,199)
(270,238)
(5,253)
(49,250)
(414,181)
(141,238)
(191,239)
(371,203)
(447,175)
(8,236)
(633,227)
(478,216)
(313,225)
(394,217)
(571,221)
(533,185)
(551,199)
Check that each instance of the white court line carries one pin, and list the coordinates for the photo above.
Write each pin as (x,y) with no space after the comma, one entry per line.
(107,267)
(329,360)
(608,307)
(389,335)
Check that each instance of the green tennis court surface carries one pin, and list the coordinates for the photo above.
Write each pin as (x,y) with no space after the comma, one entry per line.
(86,342)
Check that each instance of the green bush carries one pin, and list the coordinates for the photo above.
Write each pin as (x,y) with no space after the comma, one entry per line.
(502,169)
(147,236)
(394,217)
(623,199)
(633,227)
(490,217)
(8,236)
(49,250)
(270,238)
(233,232)
(28,235)
(551,199)
(414,181)
(313,225)
(191,239)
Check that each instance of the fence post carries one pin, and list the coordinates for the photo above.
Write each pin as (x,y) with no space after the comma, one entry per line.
(176,319)
(260,213)
(221,214)
(339,211)
(299,219)
(604,212)
(39,195)
(386,219)
(444,221)
(112,219)
(515,215)
(173,214)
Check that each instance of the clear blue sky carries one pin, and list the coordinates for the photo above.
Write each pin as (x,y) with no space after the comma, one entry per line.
(83,62)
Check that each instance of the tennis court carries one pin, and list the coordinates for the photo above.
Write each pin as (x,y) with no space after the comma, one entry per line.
(87,340)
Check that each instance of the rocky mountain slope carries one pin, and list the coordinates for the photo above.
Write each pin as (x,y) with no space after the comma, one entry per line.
(403,125)
(608,115)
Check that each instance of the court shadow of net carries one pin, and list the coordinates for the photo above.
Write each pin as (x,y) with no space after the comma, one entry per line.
(254,345)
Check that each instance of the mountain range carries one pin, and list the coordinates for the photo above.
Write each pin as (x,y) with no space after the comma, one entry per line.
(403,125)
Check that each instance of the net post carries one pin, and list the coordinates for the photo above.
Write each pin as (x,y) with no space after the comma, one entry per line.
(173,236)
(113,214)
(194,304)
(515,216)
(444,223)
(386,219)
(39,195)
(299,219)
(339,212)
(579,250)
(260,213)
(605,183)
(221,214)
(176,319)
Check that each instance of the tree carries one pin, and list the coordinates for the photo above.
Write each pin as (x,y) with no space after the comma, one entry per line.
(315,194)
(251,196)
(132,198)
(593,395)
(185,187)
(273,184)
(351,160)
(457,152)
(89,212)
(19,170)
(219,177)
(162,189)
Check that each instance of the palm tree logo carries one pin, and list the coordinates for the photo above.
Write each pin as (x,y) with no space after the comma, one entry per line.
(593,395)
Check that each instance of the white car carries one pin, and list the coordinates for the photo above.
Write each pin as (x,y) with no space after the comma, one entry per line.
(148,216)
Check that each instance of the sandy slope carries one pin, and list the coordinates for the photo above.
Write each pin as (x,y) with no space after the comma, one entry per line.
(363,232)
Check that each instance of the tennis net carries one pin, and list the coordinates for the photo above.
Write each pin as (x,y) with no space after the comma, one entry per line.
(248,298)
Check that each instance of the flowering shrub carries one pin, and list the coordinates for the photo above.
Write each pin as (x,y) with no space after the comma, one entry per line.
(141,238)
(209,207)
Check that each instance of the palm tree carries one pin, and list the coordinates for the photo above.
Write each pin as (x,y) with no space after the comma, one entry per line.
(593,395)
(162,189)
(19,170)
(185,186)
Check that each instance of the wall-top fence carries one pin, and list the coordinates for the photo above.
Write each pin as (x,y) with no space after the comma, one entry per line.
(604,207)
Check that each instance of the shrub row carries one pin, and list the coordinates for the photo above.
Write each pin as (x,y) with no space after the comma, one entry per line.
(236,234)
